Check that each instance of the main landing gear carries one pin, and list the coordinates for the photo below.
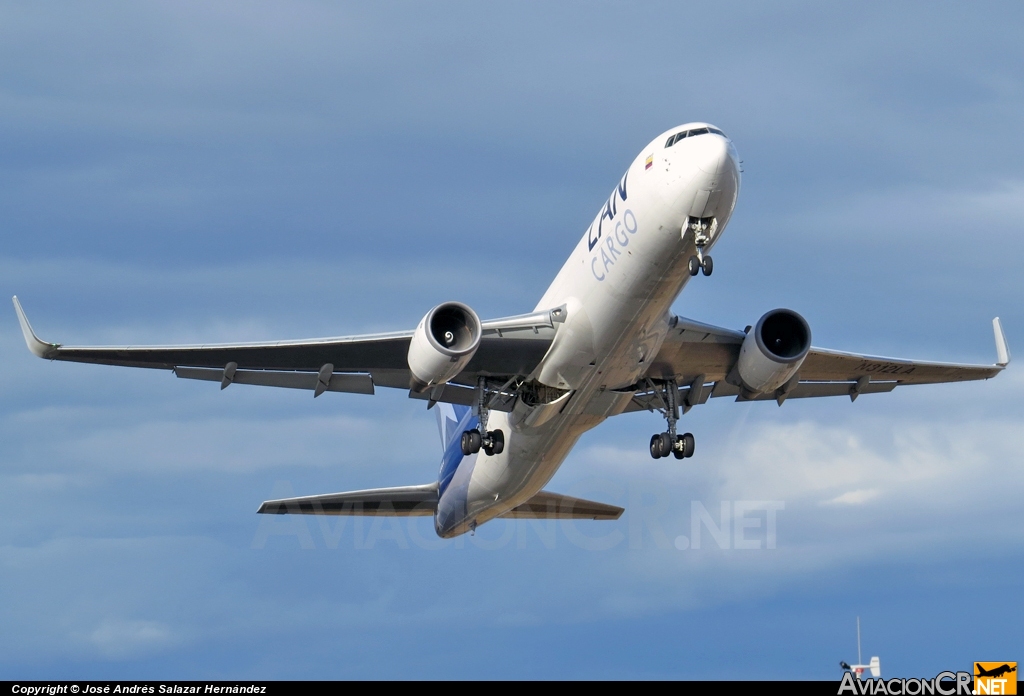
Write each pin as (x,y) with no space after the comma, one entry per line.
(669,443)
(490,441)
(473,441)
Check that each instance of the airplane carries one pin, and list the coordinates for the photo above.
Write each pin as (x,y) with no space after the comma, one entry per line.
(874,665)
(995,671)
(518,392)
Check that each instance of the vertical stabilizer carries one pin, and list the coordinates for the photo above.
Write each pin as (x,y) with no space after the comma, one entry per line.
(449,416)
(452,421)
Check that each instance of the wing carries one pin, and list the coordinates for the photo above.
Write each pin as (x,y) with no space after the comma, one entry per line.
(699,358)
(509,347)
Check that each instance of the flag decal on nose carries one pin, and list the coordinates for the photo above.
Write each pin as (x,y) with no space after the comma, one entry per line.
(650,162)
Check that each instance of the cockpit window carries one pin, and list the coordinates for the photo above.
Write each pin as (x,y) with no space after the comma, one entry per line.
(690,133)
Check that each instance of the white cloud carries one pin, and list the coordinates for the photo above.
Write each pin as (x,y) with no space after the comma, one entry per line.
(858,497)
(120,639)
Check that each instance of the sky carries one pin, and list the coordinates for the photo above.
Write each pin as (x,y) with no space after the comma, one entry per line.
(194,171)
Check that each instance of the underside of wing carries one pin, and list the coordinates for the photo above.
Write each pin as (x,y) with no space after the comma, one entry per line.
(402,501)
(700,361)
(832,365)
(508,347)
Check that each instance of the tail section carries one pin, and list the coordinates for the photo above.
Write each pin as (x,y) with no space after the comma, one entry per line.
(449,418)
(876,667)
(452,421)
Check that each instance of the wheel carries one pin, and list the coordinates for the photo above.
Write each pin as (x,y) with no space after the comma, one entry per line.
(708,266)
(497,441)
(470,442)
(666,444)
(656,446)
(489,451)
(679,451)
(688,444)
(694,265)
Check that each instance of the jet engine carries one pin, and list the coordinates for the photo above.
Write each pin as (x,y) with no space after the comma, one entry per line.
(773,350)
(443,344)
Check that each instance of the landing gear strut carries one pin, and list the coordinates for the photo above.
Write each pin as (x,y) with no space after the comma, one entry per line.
(490,441)
(670,443)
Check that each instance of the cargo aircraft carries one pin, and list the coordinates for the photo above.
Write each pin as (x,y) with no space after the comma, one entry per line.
(515,394)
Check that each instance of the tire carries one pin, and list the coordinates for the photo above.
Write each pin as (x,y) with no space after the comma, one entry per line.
(497,442)
(677,451)
(694,265)
(666,444)
(471,442)
(489,451)
(708,266)
(656,446)
(689,444)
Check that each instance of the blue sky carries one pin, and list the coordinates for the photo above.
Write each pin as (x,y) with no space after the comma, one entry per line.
(197,172)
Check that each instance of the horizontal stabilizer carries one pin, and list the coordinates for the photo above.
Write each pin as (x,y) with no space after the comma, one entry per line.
(402,501)
(546,505)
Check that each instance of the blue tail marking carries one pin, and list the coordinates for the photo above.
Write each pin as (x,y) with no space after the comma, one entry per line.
(452,421)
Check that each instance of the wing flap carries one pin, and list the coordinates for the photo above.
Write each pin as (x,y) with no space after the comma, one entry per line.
(353,383)
(401,501)
(806,390)
(547,505)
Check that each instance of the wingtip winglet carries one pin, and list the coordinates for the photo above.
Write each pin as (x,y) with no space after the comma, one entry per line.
(38,347)
(1002,348)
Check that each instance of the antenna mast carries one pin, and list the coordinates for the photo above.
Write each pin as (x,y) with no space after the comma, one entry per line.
(859,661)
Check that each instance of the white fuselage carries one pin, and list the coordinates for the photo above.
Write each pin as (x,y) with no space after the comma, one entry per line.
(617,286)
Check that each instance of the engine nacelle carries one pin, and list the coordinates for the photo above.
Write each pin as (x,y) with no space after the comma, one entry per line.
(773,350)
(443,344)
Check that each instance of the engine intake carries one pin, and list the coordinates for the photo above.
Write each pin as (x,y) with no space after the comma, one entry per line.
(773,351)
(443,344)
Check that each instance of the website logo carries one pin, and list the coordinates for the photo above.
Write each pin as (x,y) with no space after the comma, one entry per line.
(995,678)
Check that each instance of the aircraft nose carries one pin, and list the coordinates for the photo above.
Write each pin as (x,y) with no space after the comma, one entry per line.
(712,154)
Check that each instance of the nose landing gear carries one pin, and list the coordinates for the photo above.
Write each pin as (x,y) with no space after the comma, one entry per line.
(702,229)
(669,443)
(700,263)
